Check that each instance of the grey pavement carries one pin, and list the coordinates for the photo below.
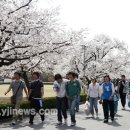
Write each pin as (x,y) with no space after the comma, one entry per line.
(122,122)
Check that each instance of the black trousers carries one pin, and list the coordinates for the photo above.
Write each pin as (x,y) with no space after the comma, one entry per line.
(61,108)
(123,99)
(108,106)
(36,106)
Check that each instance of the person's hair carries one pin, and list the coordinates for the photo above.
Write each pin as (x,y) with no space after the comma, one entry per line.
(36,73)
(76,75)
(72,73)
(107,76)
(94,79)
(123,76)
(57,76)
(18,73)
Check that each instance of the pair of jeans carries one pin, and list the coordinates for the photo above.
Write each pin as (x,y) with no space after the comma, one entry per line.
(61,108)
(72,104)
(123,99)
(36,106)
(93,104)
(77,103)
(107,104)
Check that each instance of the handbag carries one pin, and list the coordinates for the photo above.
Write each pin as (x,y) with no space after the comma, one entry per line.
(13,98)
(87,108)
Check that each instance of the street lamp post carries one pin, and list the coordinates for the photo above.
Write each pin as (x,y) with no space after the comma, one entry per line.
(84,57)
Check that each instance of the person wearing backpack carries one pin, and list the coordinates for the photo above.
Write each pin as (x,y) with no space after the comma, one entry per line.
(73,91)
(17,86)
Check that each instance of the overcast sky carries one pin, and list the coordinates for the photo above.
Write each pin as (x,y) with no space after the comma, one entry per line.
(111,17)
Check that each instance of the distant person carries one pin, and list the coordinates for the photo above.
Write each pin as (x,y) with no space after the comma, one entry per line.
(107,95)
(116,99)
(78,100)
(123,89)
(59,87)
(36,97)
(93,93)
(128,96)
(67,76)
(73,91)
(17,86)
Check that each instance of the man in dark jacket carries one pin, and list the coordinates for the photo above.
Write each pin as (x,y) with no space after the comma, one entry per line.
(36,94)
(123,89)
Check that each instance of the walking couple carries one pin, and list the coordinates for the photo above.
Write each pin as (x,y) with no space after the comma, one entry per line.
(67,91)
(34,95)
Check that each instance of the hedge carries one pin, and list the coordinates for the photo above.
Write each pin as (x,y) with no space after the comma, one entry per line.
(45,83)
(49,103)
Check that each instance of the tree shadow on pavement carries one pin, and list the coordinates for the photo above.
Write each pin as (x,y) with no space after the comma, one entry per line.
(126,110)
(37,126)
(64,127)
(17,126)
(118,115)
(91,118)
(115,124)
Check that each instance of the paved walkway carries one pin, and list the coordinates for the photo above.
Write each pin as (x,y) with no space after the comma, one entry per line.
(122,122)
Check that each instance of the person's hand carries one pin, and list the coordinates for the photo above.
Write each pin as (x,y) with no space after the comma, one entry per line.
(5,93)
(110,98)
(100,101)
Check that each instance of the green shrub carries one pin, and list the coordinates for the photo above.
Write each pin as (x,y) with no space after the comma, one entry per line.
(49,102)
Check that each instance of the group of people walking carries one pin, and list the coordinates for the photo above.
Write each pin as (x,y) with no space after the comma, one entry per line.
(34,95)
(109,96)
(68,96)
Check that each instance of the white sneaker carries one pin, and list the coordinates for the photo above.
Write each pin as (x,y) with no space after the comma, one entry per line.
(65,122)
(59,123)
(92,115)
(123,108)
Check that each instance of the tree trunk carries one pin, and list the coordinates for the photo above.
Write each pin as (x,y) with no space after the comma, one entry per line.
(25,77)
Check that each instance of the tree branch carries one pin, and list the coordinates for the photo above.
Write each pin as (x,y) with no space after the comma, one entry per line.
(19,8)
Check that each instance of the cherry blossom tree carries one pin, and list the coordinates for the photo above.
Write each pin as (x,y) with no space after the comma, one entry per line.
(29,38)
(100,56)
(26,33)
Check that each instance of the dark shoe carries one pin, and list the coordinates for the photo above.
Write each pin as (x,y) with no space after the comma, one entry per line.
(13,123)
(73,124)
(43,119)
(77,110)
(31,123)
(105,120)
(112,119)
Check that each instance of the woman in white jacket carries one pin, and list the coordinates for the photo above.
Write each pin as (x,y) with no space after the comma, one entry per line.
(93,93)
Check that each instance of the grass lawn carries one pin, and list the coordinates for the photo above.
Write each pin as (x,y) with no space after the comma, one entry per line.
(48,92)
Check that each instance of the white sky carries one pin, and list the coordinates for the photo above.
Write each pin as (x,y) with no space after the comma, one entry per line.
(111,17)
